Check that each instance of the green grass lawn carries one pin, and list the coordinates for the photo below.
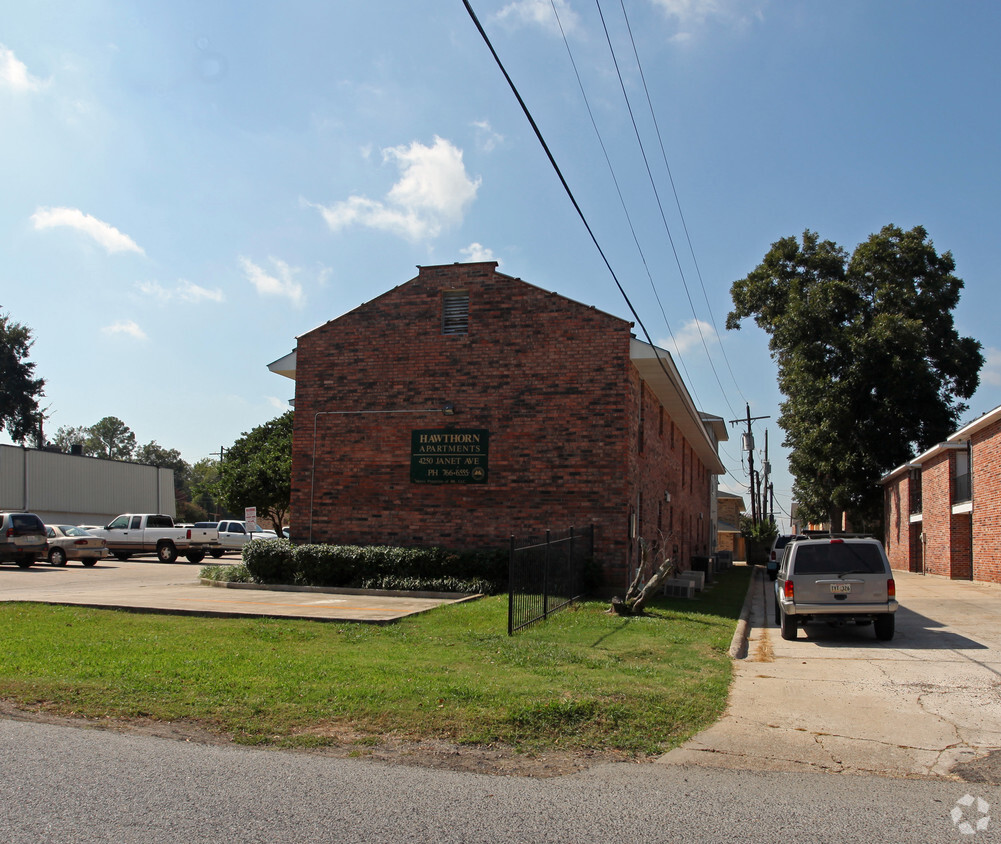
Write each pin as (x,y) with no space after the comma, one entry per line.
(583,680)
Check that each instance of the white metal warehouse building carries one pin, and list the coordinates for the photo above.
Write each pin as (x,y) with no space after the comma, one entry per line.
(70,489)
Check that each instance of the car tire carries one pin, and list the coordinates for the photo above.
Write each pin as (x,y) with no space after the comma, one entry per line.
(884,625)
(166,552)
(778,612)
(121,555)
(217,552)
(788,625)
(25,562)
(57,557)
(89,562)
(195,556)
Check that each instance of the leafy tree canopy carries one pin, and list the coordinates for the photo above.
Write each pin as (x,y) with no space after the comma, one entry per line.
(19,389)
(154,454)
(869,360)
(113,439)
(257,470)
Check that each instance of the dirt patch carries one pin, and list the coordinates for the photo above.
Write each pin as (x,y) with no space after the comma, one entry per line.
(427,753)
(985,769)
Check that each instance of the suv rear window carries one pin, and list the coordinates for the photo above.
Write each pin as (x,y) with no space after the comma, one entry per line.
(26,523)
(839,558)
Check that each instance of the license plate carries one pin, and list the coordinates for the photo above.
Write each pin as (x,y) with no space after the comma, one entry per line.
(841,587)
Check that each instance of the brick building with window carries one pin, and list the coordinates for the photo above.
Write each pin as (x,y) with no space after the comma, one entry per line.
(943,508)
(466,406)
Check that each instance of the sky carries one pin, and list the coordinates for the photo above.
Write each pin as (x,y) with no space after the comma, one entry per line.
(186,187)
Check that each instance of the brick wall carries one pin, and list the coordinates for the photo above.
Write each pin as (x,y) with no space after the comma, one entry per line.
(896,507)
(936,513)
(549,378)
(986,468)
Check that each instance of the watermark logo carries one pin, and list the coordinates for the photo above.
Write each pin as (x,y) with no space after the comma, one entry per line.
(970,814)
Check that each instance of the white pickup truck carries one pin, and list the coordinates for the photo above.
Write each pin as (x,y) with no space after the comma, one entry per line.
(146,533)
(233,535)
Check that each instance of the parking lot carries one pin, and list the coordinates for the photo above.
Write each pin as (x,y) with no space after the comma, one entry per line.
(142,583)
(836,699)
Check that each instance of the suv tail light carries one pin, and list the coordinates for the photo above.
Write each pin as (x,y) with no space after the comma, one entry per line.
(787,589)
(891,589)
(10,532)
(189,533)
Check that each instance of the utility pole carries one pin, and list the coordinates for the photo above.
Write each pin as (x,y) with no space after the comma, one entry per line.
(748,446)
(766,470)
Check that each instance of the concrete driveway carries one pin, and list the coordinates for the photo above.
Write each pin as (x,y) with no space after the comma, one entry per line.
(927,703)
(175,588)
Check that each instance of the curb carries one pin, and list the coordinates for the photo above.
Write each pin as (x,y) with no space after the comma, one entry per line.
(336,590)
(738,644)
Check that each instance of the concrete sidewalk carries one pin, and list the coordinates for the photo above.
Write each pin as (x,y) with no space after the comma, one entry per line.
(157,587)
(927,703)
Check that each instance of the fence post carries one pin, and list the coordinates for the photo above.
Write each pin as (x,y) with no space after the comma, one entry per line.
(545,581)
(573,568)
(510,590)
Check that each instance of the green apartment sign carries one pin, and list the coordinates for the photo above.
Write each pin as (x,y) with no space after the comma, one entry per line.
(449,456)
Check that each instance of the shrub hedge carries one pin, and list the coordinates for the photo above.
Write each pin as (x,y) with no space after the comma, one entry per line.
(430,569)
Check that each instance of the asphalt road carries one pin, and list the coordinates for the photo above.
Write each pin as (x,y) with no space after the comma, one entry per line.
(63,784)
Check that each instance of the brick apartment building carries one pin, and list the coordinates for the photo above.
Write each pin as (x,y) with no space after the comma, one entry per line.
(729,510)
(943,508)
(466,406)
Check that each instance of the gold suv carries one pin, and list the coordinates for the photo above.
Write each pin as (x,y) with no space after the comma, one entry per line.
(836,581)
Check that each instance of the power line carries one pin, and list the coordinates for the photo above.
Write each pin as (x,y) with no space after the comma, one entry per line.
(563,181)
(622,201)
(660,206)
(677,200)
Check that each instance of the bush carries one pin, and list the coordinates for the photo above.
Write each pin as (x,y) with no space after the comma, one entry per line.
(430,569)
(270,560)
(228,574)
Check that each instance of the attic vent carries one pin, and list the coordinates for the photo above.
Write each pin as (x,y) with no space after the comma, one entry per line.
(455,312)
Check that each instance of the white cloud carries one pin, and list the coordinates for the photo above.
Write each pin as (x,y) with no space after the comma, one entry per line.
(477,252)
(539,13)
(14,73)
(697,12)
(280,404)
(486,138)
(282,283)
(690,336)
(184,292)
(105,234)
(991,373)
(127,327)
(432,193)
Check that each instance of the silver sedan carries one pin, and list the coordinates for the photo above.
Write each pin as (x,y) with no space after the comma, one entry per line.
(68,542)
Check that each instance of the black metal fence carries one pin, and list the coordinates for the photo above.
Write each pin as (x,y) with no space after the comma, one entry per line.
(546,577)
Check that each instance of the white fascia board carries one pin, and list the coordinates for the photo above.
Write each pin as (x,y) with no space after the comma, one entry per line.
(284,366)
(964,433)
(657,369)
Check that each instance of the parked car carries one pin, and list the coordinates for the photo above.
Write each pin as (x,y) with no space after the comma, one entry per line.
(835,581)
(144,533)
(22,539)
(233,535)
(69,542)
(778,546)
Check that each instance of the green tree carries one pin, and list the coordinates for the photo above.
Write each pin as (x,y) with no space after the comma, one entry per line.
(154,454)
(111,438)
(66,437)
(257,470)
(205,487)
(869,361)
(19,389)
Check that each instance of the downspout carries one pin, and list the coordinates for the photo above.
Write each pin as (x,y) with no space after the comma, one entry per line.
(24,477)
